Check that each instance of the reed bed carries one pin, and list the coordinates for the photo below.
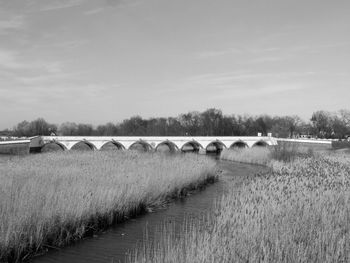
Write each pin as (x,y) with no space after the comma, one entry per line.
(268,156)
(49,200)
(297,212)
(257,155)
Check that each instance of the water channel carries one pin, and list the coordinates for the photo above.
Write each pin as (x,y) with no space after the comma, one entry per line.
(114,244)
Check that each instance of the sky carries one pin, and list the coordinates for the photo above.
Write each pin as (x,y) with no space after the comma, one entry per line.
(89,61)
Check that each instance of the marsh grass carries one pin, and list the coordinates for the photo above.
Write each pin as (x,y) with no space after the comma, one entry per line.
(298,212)
(49,200)
(257,155)
(268,156)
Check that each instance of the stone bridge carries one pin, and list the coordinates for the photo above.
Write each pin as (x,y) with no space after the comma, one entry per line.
(147,143)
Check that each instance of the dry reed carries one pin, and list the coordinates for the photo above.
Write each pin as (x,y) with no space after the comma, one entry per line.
(268,156)
(298,212)
(52,199)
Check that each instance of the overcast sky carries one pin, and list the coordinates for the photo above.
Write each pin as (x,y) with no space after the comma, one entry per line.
(98,61)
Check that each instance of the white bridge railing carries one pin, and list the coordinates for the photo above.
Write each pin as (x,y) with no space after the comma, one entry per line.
(314,141)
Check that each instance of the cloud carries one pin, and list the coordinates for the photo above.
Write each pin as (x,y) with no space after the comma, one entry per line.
(8,60)
(218,53)
(13,23)
(220,78)
(12,61)
(36,5)
(238,84)
(103,5)
(94,11)
(235,51)
(264,89)
(28,74)
(269,54)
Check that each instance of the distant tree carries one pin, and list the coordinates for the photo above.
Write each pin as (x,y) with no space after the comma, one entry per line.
(41,127)
(321,121)
(135,126)
(212,121)
(152,127)
(228,125)
(174,127)
(264,124)
(22,129)
(109,129)
(251,127)
(293,124)
(287,126)
(280,127)
(33,128)
(339,128)
(68,129)
(191,123)
(239,125)
(162,127)
(84,130)
(345,118)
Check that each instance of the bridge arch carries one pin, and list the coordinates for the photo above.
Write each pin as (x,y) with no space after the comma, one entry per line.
(53,147)
(171,146)
(260,143)
(239,144)
(141,145)
(112,146)
(83,146)
(215,146)
(191,146)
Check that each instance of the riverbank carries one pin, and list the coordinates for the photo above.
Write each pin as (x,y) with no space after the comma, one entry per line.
(297,212)
(53,199)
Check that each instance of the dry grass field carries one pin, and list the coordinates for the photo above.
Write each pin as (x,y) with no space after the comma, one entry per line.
(297,212)
(52,199)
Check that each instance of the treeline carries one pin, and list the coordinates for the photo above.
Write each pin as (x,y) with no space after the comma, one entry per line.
(212,122)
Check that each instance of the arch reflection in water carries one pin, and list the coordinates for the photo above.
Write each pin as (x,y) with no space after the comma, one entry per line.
(260,144)
(191,146)
(215,147)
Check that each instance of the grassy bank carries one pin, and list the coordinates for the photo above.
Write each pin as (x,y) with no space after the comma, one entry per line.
(298,212)
(51,199)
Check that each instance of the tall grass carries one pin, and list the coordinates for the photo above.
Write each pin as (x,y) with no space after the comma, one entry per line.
(299,212)
(283,152)
(52,199)
(257,155)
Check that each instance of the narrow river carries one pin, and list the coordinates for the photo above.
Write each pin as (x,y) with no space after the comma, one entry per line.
(114,244)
